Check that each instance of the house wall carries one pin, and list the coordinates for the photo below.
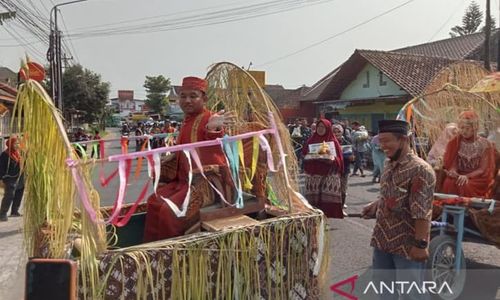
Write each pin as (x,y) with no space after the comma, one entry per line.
(369,114)
(368,84)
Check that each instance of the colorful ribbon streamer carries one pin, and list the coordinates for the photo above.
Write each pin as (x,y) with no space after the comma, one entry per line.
(184,207)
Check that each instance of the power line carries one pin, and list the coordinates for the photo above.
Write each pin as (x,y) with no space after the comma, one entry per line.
(447,20)
(157,16)
(197,20)
(19,38)
(335,35)
(69,39)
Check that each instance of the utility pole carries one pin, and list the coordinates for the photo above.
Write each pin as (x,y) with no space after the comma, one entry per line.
(487,35)
(55,58)
(497,35)
(66,60)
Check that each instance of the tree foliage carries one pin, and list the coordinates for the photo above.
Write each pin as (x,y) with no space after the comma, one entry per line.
(84,91)
(156,93)
(471,21)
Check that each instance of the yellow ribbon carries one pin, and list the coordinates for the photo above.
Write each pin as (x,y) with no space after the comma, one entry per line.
(247,184)
(255,155)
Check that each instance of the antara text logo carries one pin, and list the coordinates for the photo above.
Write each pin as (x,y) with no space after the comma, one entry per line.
(390,288)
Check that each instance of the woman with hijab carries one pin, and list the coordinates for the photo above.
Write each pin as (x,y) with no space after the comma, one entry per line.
(469,160)
(323,184)
(13,180)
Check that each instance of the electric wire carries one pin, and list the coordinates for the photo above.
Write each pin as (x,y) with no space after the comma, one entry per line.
(73,49)
(335,35)
(33,51)
(197,20)
(454,12)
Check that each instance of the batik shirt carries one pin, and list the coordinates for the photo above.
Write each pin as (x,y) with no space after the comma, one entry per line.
(406,193)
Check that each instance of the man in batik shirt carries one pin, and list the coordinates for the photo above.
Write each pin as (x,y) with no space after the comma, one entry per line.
(403,211)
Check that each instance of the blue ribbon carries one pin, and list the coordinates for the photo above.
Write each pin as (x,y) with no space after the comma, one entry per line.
(231,150)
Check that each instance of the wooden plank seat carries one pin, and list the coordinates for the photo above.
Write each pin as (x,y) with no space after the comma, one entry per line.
(213,207)
(228,222)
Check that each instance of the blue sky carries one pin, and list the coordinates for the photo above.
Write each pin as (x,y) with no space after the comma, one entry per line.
(124,60)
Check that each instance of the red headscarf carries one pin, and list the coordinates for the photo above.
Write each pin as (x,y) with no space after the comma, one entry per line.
(11,149)
(317,167)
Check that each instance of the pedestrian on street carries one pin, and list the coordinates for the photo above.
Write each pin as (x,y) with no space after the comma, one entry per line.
(360,147)
(403,212)
(13,180)
(322,183)
(378,158)
(96,150)
(347,156)
(139,131)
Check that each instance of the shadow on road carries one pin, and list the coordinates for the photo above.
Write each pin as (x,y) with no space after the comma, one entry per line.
(9,233)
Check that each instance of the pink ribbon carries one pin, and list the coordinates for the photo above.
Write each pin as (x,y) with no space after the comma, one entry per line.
(198,164)
(124,167)
(82,191)
(124,220)
(264,144)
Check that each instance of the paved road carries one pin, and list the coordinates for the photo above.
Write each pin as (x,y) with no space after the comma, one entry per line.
(135,185)
(350,253)
(349,249)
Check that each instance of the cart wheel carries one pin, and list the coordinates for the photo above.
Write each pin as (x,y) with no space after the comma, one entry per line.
(441,266)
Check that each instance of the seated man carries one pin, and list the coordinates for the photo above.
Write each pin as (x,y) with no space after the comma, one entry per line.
(469,160)
(199,124)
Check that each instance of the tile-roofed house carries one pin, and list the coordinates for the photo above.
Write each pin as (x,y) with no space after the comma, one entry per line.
(412,73)
(175,111)
(373,85)
(462,47)
(314,92)
(7,101)
(468,47)
(287,100)
(7,93)
(8,76)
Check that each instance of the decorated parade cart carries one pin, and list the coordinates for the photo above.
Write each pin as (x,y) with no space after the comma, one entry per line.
(256,239)
(457,219)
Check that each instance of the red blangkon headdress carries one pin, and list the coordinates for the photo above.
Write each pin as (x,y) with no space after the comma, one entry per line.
(194,83)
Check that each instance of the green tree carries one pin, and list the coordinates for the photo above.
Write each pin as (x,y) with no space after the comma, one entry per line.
(471,21)
(156,93)
(84,91)
(493,25)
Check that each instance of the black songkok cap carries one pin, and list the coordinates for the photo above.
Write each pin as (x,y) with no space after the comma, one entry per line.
(394,126)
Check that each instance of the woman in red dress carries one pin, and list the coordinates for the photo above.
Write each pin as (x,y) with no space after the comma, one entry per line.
(469,160)
(323,184)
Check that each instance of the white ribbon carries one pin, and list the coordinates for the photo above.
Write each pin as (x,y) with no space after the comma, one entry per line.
(157,168)
(321,246)
(196,159)
(264,144)
(121,191)
(175,209)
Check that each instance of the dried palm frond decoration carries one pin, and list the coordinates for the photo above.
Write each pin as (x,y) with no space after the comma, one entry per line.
(49,225)
(234,89)
(49,185)
(445,98)
(278,258)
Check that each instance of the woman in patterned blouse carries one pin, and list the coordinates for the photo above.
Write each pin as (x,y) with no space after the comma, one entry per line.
(469,160)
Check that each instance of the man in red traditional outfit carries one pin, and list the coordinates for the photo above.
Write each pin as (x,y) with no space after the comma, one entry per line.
(199,125)
(469,160)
